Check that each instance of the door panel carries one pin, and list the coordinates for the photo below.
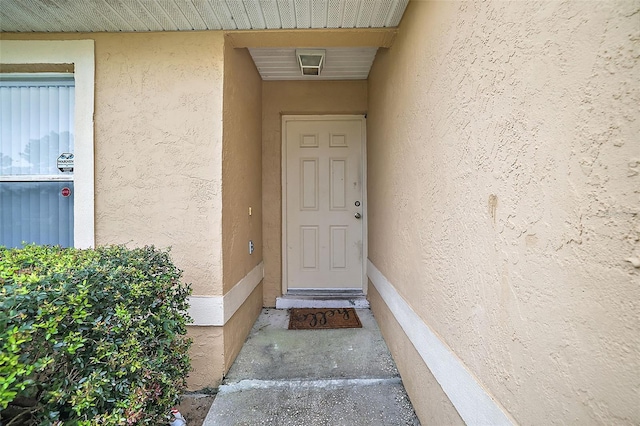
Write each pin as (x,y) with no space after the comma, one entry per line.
(323,193)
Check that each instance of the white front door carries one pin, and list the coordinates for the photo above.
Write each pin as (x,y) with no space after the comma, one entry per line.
(323,202)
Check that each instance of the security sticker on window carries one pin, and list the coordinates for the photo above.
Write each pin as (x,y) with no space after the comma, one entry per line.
(65,162)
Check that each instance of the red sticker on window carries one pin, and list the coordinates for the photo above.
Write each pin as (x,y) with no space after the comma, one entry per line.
(65,192)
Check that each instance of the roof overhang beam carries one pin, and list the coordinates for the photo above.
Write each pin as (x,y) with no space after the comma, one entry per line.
(339,37)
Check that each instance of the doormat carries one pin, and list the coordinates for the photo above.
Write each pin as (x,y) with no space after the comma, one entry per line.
(324,318)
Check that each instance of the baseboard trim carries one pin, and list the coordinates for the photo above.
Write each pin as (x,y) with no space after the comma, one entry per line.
(473,403)
(217,310)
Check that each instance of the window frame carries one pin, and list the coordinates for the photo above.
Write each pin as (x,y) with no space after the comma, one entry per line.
(80,53)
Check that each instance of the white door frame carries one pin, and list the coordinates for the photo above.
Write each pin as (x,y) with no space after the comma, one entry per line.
(283,189)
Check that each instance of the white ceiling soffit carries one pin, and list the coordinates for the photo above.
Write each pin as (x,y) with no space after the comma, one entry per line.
(341,63)
(189,15)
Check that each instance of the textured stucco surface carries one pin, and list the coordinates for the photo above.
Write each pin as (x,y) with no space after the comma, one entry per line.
(158,148)
(207,357)
(239,325)
(241,166)
(158,158)
(504,197)
(241,189)
(292,97)
(431,404)
(158,145)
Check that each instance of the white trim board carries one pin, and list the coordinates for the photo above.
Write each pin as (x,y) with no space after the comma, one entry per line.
(81,54)
(217,310)
(473,403)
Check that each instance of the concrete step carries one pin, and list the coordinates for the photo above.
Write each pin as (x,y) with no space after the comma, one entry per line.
(358,402)
(323,299)
(312,377)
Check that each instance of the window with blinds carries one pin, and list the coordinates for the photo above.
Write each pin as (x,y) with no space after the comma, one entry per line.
(36,159)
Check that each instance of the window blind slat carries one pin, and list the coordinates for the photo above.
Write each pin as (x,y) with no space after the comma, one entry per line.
(36,126)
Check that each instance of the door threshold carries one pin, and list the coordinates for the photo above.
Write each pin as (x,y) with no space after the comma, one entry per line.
(335,298)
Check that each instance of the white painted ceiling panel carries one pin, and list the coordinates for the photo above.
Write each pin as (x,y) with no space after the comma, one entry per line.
(222,13)
(341,63)
(334,13)
(350,16)
(239,14)
(286,12)
(31,11)
(177,15)
(319,14)
(188,15)
(114,15)
(141,14)
(192,16)
(254,11)
(380,12)
(92,17)
(208,16)
(395,13)
(303,13)
(16,18)
(137,15)
(271,15)
(11,22)
(366,12)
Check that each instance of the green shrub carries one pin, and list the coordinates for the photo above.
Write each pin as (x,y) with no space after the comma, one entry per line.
(91,336)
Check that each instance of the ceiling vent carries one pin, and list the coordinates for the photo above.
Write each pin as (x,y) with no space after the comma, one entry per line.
(310,61)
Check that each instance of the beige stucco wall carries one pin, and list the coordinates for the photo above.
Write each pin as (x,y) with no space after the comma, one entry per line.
(158,144)
(158,148)
(207,357)
(241,189)
(292,97)
(504,189)
(158,158)
(430,403)
(239,325)
(241,166)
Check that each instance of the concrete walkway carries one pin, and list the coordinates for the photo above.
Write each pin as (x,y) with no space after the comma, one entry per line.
(312,377)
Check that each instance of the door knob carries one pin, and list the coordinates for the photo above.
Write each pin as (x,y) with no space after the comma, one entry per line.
(358,215)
